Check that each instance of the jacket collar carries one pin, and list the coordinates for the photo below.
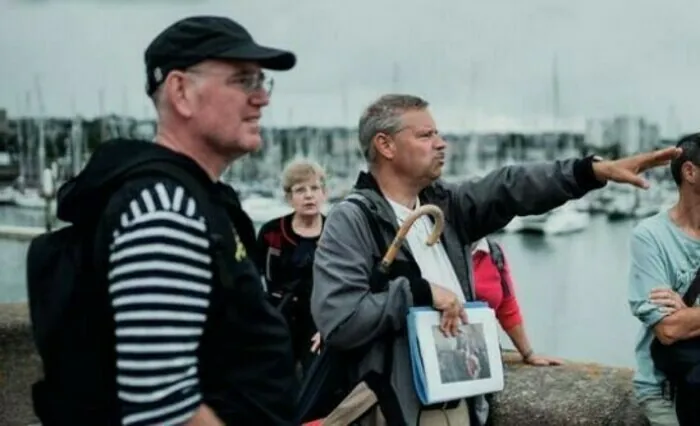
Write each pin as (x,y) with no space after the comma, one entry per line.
(368,186)
(288,232)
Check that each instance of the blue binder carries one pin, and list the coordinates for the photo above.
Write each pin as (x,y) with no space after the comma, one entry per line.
(419,379)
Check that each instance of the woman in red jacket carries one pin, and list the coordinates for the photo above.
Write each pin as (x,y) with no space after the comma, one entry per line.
(496,288)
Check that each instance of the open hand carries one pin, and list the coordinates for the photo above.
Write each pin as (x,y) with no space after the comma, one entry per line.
(542,361)
(453,313)
(667,299)
(628,169)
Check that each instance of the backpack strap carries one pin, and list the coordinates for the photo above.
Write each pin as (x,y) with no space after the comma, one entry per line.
(498,260)
(381,387)
(693,292)
(361,202)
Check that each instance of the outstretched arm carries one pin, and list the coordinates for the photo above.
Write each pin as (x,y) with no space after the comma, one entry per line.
(488,204)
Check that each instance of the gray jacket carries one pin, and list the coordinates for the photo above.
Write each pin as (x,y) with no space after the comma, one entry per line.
(348,315)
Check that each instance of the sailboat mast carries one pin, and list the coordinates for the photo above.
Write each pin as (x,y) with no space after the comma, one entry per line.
(102,117)
(345,114)
(42,129)
(556,105)
(29,143)
(472,160)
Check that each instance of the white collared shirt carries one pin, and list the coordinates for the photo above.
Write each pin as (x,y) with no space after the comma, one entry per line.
(481,245)
(433,262)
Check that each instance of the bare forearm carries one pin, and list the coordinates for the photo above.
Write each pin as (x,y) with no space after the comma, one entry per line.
(681,325)
(204,417)
(519,338)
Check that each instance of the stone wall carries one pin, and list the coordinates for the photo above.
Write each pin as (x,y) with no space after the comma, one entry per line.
(19,366)
(575,394)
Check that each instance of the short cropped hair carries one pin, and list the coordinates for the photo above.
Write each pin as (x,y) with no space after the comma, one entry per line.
(300,170)
(690,144)
(384,116)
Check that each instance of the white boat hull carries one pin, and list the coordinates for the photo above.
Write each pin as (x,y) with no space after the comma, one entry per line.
(30,199)
(559,221)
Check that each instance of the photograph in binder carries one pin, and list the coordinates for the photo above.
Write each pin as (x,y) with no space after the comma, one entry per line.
(447,368)
(464,357)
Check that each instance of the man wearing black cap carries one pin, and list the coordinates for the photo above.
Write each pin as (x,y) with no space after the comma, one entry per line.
(219,59)
(180,298)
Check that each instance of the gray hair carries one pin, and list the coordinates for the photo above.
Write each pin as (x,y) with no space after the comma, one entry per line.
(299,170)
(157,97)
(384,116)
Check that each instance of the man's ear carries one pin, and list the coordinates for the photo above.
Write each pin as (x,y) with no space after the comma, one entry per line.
(384,145)
(689,172)
(180,92)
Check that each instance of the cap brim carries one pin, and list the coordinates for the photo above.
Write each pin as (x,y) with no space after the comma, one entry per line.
(267,57)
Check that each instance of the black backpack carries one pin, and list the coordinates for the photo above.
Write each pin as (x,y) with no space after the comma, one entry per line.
(499,261)
(70,316)
(680,363)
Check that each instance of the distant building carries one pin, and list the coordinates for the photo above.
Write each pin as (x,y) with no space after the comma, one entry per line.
(599,134)
(4,123)
(631,133)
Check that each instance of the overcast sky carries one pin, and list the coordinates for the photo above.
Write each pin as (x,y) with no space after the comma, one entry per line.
(487,64)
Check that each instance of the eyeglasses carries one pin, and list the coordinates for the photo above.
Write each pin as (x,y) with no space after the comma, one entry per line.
(254,82)
(301,190)
(249,82)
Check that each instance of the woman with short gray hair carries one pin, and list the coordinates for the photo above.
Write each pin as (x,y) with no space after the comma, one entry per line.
(286,247)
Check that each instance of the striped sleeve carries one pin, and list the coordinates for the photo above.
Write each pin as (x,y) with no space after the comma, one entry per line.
(159,284)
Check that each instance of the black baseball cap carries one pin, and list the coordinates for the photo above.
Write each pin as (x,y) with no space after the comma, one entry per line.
(192,40)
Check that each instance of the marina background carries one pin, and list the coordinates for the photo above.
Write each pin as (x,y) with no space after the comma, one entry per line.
(509,82)
(570,265)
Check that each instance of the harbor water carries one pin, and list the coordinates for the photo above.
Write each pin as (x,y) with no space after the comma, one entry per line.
(572,288)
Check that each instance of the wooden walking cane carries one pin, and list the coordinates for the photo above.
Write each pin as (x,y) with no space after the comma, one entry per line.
(434,237)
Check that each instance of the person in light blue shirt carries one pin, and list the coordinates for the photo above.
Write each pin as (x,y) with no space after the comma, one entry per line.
(665,254)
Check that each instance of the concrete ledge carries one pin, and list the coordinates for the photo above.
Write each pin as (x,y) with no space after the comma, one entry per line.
(575,394)
(19,366)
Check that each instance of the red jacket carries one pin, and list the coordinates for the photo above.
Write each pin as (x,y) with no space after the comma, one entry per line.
(489,289)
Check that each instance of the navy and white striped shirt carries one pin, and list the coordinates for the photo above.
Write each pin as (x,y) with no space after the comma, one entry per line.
(159,284)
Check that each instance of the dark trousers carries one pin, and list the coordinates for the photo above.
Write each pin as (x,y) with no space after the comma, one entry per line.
(302,328)
(302,332)
(686,401)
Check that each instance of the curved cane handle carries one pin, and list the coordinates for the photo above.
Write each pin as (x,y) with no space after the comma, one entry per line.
(434,237)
